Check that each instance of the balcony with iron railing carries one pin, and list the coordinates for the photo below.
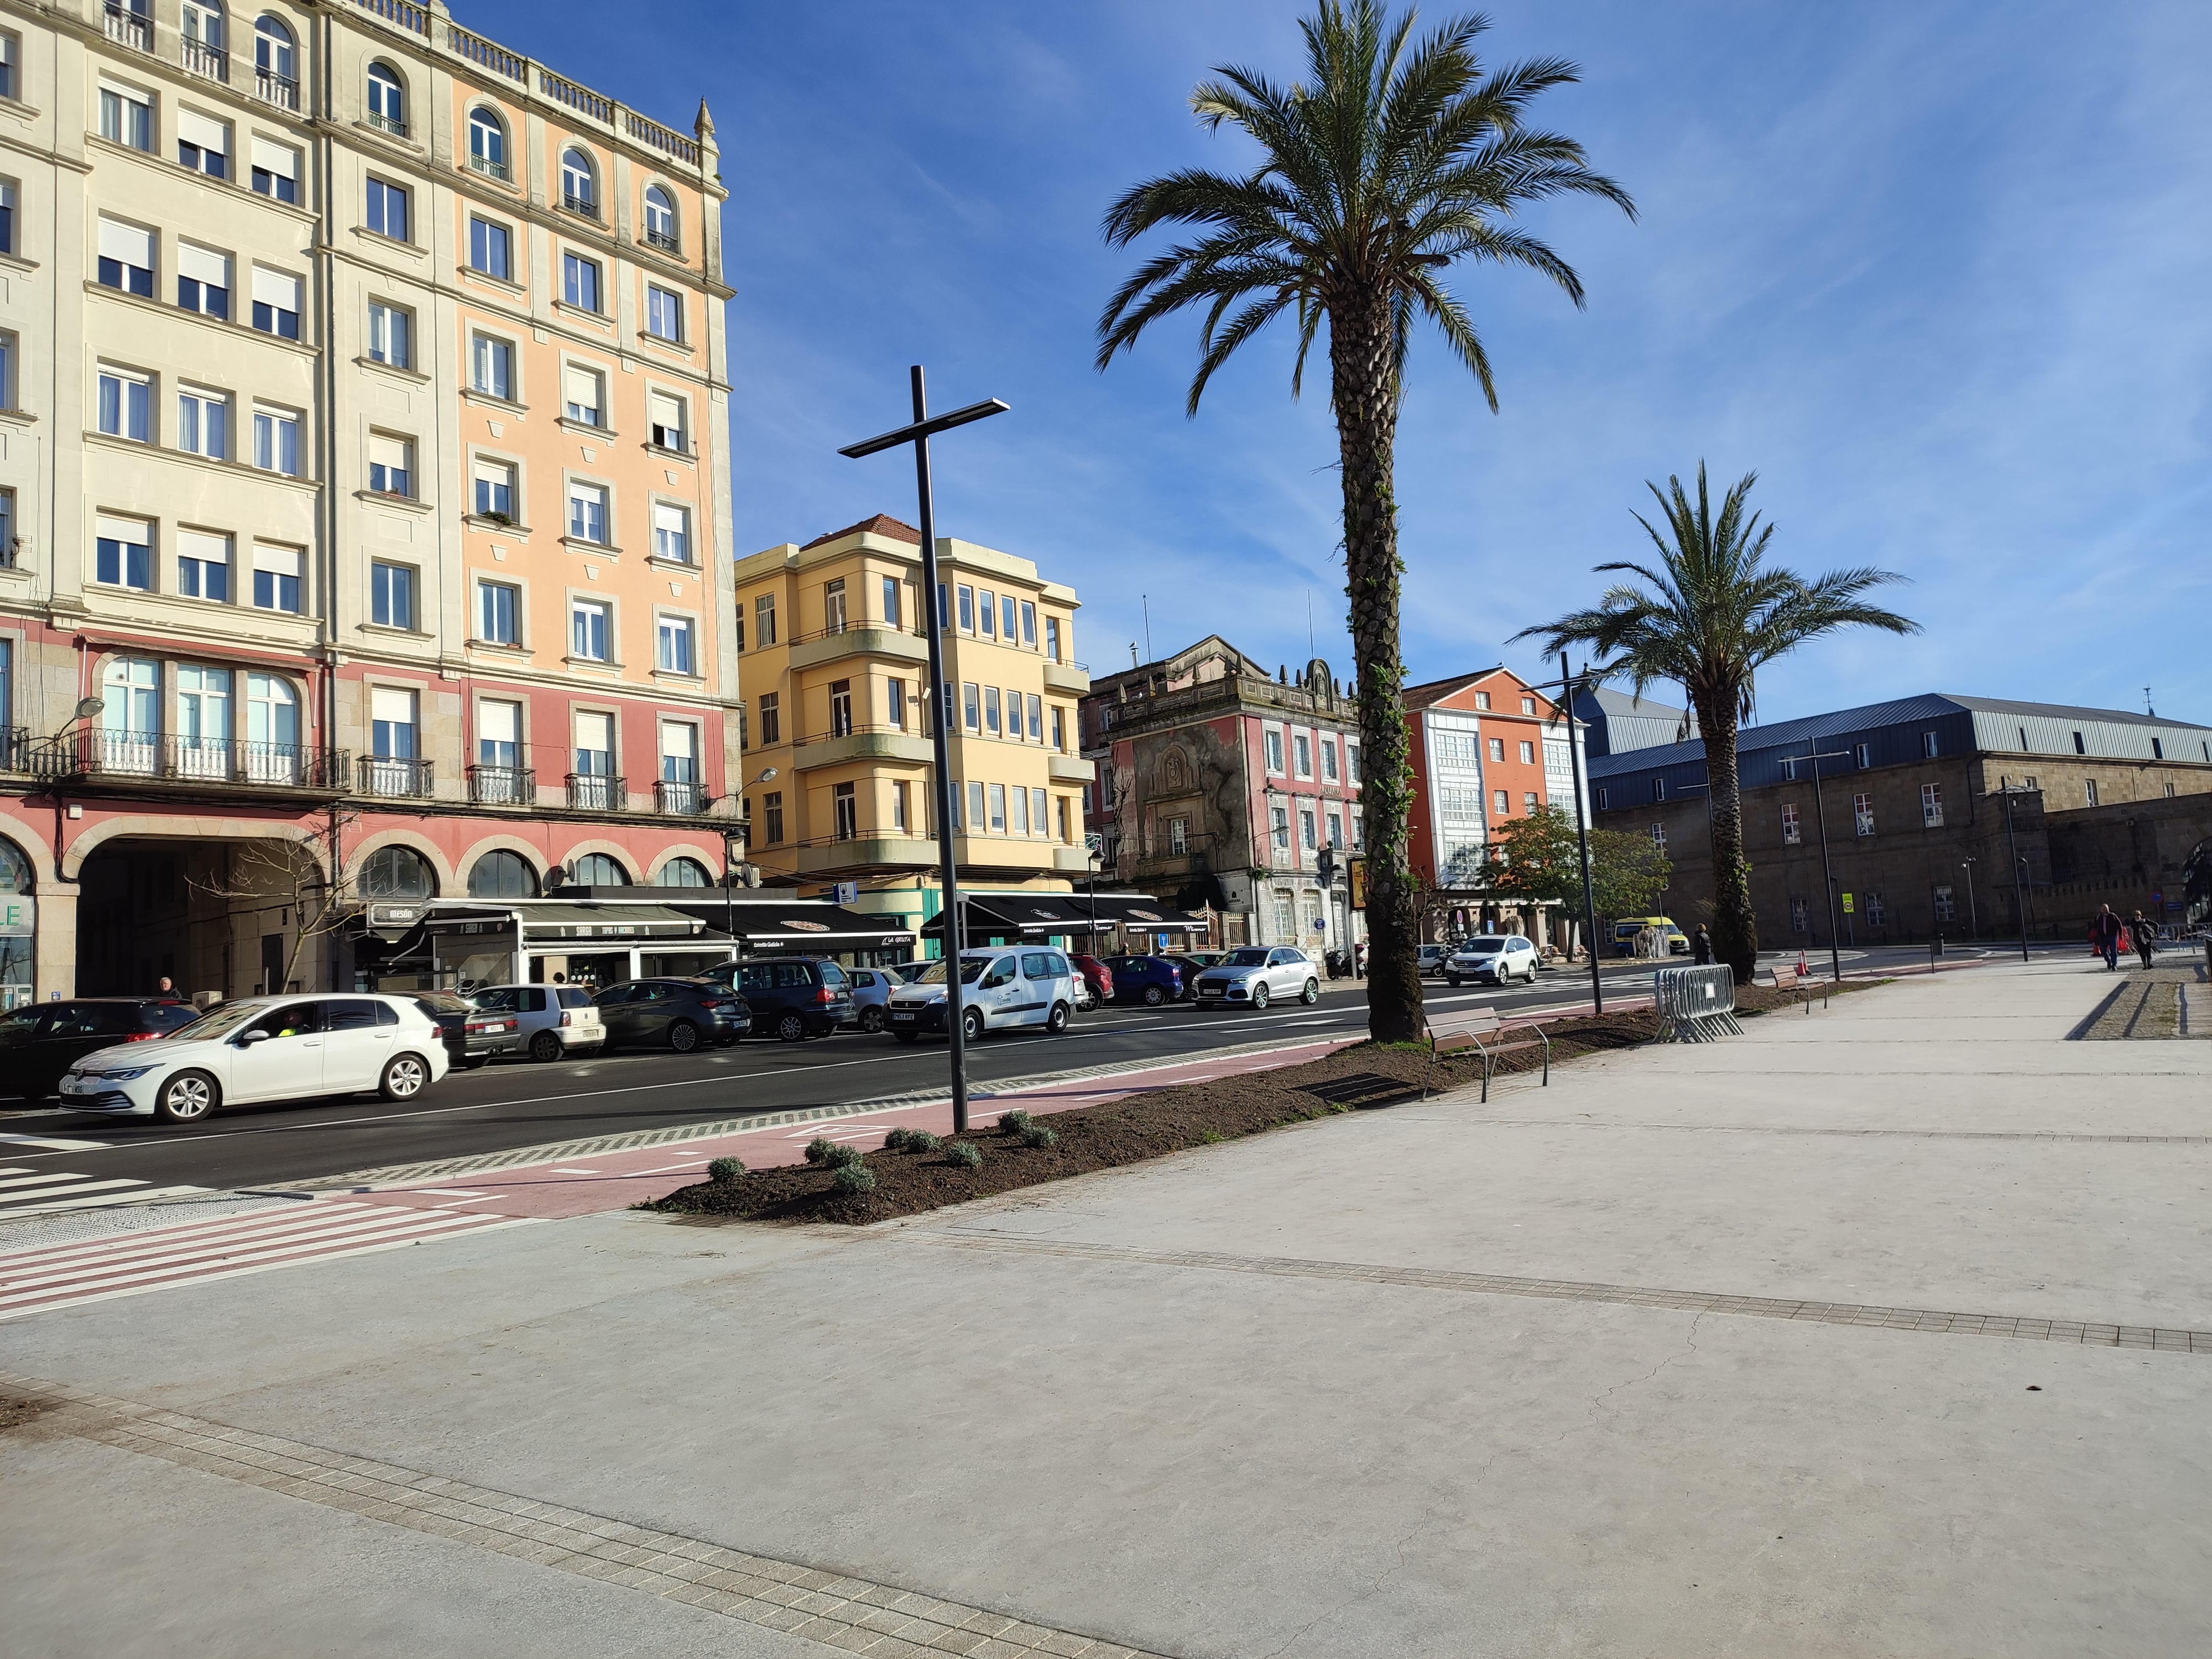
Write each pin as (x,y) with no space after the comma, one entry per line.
(503,785)
(859,639)
(392,778)
(166,759)
(271,88)
(128,26)
(15,749)
(578,203)
(849,742)
(680,797)
(383,123)
(491,169)
(663,239)
(596,791)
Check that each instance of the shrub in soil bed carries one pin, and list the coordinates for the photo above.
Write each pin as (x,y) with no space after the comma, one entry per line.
(965,1154)
(819,1148)
(725,1169)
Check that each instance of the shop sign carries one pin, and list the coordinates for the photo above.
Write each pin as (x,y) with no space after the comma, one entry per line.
(19,916)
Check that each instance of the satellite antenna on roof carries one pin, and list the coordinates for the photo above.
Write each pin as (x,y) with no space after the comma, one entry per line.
(2148,709)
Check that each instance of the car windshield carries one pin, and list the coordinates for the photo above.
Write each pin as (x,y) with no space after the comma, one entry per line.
(218,1022)
(1483,946)
(444,1002)
(971,969)
(1249,959)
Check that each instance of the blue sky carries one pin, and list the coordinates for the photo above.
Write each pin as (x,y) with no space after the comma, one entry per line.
(1938,271)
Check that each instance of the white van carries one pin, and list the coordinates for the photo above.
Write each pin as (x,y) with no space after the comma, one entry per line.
(1000,988)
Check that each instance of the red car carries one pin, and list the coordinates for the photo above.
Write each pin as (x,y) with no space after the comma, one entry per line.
(1097,975)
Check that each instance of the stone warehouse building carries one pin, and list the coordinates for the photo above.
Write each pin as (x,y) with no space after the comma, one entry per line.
(1928,801)
(1219,786)
(363,486)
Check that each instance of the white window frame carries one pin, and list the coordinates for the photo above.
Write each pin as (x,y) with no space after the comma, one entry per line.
(676,623)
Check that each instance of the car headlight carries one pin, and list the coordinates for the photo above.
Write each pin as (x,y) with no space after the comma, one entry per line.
(124,1075)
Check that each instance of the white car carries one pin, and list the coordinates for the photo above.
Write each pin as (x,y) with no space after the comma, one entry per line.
(553,1021)
(1001,987)
(261,1049)
(1253,975)
(1493,959)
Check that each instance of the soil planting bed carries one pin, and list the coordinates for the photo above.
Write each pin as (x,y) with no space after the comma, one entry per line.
(1150,1123)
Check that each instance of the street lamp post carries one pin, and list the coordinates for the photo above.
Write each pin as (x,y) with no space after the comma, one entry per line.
(1973,916)
(919,434)
(2019,866)
(1827,872)
(1582,840)
(731,859)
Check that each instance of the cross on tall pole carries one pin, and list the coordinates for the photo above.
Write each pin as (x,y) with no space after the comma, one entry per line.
(923,429)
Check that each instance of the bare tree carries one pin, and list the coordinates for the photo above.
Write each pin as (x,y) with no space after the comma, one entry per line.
(290,876)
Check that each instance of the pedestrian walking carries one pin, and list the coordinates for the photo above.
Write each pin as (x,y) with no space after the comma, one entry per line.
(2144,933)
(165,987)
(1701,947)
(2106,930)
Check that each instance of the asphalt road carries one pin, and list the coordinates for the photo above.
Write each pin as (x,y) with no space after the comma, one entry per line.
(515,1103)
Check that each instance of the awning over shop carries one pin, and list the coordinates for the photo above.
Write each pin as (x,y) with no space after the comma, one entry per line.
(583,923)
(1043,915)
(799,925)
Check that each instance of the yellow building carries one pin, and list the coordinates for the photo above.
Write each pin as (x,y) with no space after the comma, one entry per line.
(836,673)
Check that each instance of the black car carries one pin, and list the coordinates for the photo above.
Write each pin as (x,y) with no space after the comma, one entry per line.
(38,1043)
(682,1014)
(792,998)
(473,1037)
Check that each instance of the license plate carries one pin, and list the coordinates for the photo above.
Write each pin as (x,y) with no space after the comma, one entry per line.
(75,1086)
(902,1016)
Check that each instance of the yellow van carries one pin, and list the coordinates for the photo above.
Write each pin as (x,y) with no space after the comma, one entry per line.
(1626,928)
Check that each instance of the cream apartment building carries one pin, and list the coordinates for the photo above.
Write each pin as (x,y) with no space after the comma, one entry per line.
(363,468)
(836,666)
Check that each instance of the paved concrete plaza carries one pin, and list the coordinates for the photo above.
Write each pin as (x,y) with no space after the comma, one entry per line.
(1882,1330)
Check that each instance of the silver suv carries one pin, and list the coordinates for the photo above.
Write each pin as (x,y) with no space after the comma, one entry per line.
(1254,976)
(1493,959)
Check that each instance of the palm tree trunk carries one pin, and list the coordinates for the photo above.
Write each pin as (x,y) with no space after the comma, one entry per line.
(1736,929)
(1362,349)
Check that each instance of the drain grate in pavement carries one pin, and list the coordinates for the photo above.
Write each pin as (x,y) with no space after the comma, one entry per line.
(1929,1321)
(855,1614)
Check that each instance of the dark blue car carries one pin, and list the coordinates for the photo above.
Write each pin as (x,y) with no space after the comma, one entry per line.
(1148,980)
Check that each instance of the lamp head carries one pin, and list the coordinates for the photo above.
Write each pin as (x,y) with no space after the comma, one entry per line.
(87,708)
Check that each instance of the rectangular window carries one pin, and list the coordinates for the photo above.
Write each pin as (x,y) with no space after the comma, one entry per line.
(588,630)
(1498,749)
(1931,806)
(833,605)
(895,704)
(1059,728)
(491,248)
(1274,746)
(679,752)
(388,335)
(899,806)
(203,145)
(499,736)
(491,366)
(1801,916)
(894,611)
(1793,832)
(1658,789)
(391,466)
(840,709)
(671,532)
(1037,718)
(387,210)
(204,281)
(1527,754)
(1863,813)
(966,610)
(674,653)
(991,710)
(977,819)
(1051,638)
(580,282)
(771,718)
(7,211)
(1928,752)
(493,483)
(277,441)
(1306,834)
(844,810)
(203,566)
(583,393)
(276,303)
(123,402)
(1335,827)
(1876,914)
(1528,804)
(1301,753)
(276,171)
(1278,827)
(1029,625)
(1017,811)
(126,257)
(391,595)
(1862,755)
(665,423)
(987,613)
(278,575)
(2089,790)
(392,723)
(772,818)
(499,613)
(1659,836)
(1327,761)
(1604,800)
(1482,700)
(1790,767)
(594,738)
(971,705)
(1503,804)
(664,315)
(126,117)
(1943,907)
(587,512)
(1008,617)
(1037,808)
(998,795)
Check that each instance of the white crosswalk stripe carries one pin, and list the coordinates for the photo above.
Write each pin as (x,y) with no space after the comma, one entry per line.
(197,1252)
(38,1192)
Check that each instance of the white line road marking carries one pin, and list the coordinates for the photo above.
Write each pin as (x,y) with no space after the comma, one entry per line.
(45,1186)
(450,1192)
(56,1146)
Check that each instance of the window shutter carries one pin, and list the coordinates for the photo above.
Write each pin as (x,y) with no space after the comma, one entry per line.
(491,472)
(388,453)
(273,288)
(596,732)
(398,708)
(679,742)
(133,531)
(582,388)
(499,722)
(194,128)
(668,519)
(275,158)
(198,545)
(666,415)
(203,264)
(282,562)
(127,243)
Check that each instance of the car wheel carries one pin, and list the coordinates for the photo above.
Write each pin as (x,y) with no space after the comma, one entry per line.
(971,1021)
(790,1028)
(1311,995)
(405,1078)
(1452,979)
(1154,996)
(546,1046)
(1056,1021)
(872,1020)
(683,1036)
(1259,996)
(186,1097)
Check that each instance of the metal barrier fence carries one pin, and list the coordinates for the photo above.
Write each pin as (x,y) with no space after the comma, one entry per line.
(1696,1005)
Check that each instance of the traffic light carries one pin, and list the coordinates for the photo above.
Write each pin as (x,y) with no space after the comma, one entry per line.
(1326,864)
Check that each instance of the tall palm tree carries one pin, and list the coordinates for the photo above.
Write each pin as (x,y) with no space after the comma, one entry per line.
(1709,619)
(1391,162)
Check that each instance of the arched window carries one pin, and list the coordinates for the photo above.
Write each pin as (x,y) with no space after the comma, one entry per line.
(387,104)
(576,189)
(275,63)
(597,869)
(660,218)
(502,874)
(15,870)
(682,873)
(488,142)
(203,25)
(397,872)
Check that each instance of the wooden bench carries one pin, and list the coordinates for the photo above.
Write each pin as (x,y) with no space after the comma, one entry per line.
(1451,1032)
(1789,979)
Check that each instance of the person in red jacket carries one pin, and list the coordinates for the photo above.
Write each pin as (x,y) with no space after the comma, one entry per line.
(2105,930)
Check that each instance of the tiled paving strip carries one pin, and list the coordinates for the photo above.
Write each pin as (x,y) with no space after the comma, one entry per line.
(854,1614)
(2055,1136)
(2018,1329)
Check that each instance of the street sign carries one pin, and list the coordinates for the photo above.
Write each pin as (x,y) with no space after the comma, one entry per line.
(845,892)
(1847,904)
(1356,883)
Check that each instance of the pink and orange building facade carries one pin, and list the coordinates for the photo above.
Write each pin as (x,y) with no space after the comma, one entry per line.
(364,499)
